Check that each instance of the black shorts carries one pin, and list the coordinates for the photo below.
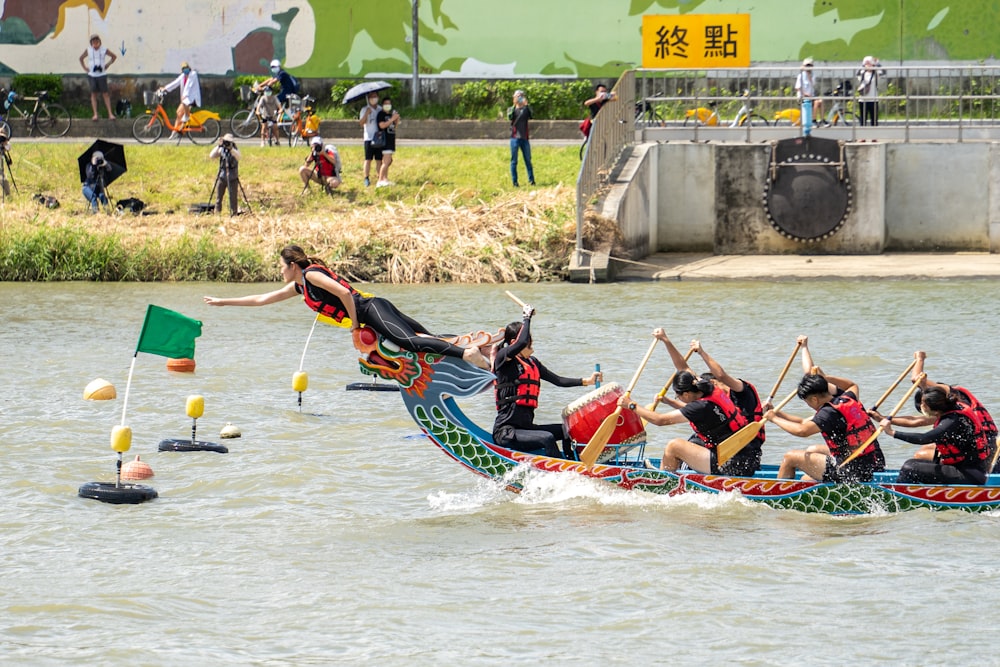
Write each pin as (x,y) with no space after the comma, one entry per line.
(98,84)
(860,469)
(372,153)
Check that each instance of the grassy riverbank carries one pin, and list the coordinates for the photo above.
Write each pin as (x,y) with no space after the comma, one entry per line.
(451,215)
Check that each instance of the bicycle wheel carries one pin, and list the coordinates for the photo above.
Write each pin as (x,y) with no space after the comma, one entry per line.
(147,129)
(848,118)
(245,124)
(757,119)
(6,126)
(53,120)
(207,133)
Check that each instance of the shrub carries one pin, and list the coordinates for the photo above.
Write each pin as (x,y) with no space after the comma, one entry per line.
(30,84)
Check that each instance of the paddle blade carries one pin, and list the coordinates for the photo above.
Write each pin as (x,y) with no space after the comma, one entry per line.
(600,438)
(732,445)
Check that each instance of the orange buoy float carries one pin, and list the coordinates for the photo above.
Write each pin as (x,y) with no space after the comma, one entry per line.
(136,469)
(180,365)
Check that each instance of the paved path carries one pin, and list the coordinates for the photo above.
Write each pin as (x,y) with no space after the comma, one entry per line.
(668,266)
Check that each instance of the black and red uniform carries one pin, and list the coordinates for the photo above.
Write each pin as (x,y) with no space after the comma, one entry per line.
(714,418)
(377,313)
(845,425)
(979,412)
(961,451)
(517,388)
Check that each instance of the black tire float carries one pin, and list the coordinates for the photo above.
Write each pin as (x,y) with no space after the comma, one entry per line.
(188,445)
(117,494)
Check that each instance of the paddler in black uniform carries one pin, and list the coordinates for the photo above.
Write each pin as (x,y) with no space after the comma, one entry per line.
(961,449)
(327,293)
(519,376)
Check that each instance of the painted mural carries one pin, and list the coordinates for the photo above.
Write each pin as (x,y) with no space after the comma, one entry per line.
(468,38)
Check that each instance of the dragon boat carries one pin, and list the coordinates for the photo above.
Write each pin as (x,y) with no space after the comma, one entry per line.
(430,384)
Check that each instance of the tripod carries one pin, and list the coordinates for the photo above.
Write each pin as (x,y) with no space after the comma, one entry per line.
(4,185)
(100,188)
(223,180)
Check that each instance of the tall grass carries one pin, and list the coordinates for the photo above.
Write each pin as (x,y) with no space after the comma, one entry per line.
(452,215)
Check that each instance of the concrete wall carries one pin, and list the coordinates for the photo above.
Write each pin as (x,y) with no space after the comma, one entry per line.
(906,197)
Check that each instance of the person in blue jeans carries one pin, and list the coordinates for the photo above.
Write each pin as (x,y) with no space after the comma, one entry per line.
(519,115)
(94,181)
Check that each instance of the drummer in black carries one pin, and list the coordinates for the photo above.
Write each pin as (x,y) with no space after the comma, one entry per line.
(519,376)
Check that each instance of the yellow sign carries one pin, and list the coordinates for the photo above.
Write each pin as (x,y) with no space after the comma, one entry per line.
(696,41)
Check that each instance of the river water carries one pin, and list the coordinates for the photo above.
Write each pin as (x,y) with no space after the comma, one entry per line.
(334,536)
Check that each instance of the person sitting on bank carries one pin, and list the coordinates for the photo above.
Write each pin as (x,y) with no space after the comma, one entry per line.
(844,424)
(961,450)
(322,165)
(328,294)
(519,375)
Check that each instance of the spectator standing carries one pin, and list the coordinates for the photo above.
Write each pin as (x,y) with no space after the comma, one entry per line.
(868,76)
(95,62)
(369,124)
(387,120)
(805,90)
(519,115)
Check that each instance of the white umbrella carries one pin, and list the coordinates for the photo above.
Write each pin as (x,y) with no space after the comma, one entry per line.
(362,90)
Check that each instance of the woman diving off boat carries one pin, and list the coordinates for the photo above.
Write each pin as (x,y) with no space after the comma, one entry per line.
(328,294)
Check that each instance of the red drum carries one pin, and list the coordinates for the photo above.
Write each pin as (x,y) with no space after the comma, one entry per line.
(583,417)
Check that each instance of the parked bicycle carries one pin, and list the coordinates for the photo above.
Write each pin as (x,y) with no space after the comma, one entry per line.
(202,127)
(710,115)
(646,112)
(245,123)
(49,118)
(838,113)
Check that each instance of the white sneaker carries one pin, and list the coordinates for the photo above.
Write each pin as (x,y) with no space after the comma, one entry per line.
(383,184)
(263,143)
(175,135)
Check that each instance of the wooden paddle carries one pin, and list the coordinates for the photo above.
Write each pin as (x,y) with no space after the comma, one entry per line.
(864,445)
(663,392)
(735,443)
(784,371)
(600,438)
(895,384)
(514,298)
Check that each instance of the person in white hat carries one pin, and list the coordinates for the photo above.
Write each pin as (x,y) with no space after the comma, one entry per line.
(868,76)
(95,62)
(805,90)
(322,166)
(229,172)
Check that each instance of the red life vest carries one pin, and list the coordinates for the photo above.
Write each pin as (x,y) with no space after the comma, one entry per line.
(528,385)
(951,454)
(859,428)
(982,416)
(732,419)
(319,299)
(755,412)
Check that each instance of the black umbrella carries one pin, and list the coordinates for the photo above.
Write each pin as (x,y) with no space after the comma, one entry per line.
(114,155)
(362,90)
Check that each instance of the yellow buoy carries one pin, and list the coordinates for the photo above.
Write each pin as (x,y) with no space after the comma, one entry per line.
(195,406)
(99,390)
(121,438)
(300,381)
(136,469)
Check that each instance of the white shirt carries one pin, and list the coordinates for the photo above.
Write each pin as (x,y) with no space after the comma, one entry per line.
(190,89)
(804,85)
(97,58)
(371,125)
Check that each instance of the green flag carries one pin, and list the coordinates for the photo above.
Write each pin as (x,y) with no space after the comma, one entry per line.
(168,334)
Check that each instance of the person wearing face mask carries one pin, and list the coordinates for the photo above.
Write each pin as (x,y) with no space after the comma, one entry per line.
(289,85)
(190,95)
(369,124)
(387,120)
(519,376)
(519,115)
(267,111)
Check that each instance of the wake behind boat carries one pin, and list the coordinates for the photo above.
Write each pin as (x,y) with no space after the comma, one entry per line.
(430,385)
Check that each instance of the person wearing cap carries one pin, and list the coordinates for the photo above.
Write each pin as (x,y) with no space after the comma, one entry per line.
(322,165)
(190,95)
(95,62)
(94,188)
(868,76)
(805,90)
(282,78)
(267,110)
(519,115)
(229,172)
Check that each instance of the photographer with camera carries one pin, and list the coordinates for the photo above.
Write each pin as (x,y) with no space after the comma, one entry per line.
(94,187)
(229,172)
(95,63)
(594,104)
(519,114)
(321,166)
